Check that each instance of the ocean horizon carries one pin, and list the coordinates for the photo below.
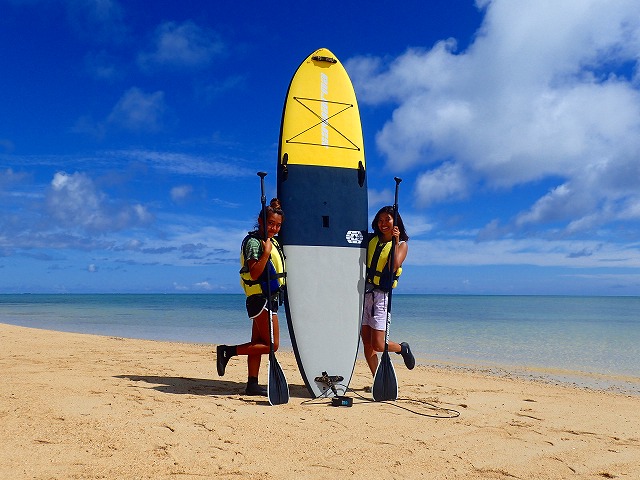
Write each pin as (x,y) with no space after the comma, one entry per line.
(584,340)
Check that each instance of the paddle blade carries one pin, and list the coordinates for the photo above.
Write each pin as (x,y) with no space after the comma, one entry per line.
(277,387)
(385,383)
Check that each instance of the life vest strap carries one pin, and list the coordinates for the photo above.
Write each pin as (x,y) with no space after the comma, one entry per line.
(382,279)
(276,276)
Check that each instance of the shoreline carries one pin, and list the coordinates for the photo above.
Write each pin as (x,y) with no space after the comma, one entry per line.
(533,336)
(614,383)
(609,382)
(89,406)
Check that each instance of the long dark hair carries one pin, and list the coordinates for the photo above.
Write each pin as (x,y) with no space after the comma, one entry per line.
(391,211)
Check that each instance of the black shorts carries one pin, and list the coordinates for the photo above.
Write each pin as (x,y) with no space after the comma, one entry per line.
(257,303)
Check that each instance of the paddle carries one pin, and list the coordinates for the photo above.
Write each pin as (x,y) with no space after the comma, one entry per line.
(277,387)
(385,383)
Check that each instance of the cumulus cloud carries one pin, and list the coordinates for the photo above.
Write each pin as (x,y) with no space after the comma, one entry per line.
(136,111)
(416,224)
(139,111)
(102,66)
(447,182)
(205,285)
(100,20)
(181,192)
(546,90)
(73,200)
(180,46)
(9,177)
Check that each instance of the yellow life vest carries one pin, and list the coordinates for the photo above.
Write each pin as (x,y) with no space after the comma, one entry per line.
(378,268)
(275,264)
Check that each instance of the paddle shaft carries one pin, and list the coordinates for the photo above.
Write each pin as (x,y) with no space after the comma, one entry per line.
(391,265)
(263,202)
(385,383)
(277,387)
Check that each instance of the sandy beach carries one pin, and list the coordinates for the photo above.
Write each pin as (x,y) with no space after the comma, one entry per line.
(78,406)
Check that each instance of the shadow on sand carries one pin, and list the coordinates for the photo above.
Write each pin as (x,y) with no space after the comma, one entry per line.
(202,386)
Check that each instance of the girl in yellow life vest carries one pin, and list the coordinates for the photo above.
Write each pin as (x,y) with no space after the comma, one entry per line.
(380,278)
(256,256)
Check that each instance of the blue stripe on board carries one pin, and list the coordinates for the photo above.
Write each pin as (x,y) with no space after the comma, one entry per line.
(321,205)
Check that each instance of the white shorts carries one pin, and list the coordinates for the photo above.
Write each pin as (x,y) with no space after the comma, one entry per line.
(374,313)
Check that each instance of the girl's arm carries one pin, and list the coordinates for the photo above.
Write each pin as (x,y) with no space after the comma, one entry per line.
(401,250)
(256,267)
(399,255)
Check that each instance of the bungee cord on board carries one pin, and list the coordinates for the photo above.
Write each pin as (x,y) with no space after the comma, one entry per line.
(446,412)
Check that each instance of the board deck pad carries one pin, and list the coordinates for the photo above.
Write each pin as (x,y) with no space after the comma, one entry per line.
(323,190)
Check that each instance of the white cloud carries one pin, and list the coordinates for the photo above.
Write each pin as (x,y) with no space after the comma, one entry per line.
(139,111)
(102,66)
(547,208)
(9,177)
(537,252)
(100,20)
(186,164)
(73,200)
(180,288)
(133,245)
(447,182)
(544,91)
(181,192)
(416,224)
(204,286)
(379,198)
(183,45)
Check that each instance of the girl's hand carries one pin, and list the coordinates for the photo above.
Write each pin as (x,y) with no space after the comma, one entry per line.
(396,234)
(267,246)
(256,267)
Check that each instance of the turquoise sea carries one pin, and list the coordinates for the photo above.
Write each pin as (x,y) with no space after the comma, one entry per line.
(590,341)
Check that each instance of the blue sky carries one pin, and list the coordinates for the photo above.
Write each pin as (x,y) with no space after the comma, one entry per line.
(131,134)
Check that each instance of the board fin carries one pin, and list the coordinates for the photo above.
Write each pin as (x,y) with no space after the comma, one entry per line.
(329,381)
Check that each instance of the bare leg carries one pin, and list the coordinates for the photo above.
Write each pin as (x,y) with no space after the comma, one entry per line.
(260,341)
(369,353)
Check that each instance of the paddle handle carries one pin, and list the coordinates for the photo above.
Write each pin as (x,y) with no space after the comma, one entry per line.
(263,202)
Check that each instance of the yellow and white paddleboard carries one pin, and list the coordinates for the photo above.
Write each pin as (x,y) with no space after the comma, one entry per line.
(323,190)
